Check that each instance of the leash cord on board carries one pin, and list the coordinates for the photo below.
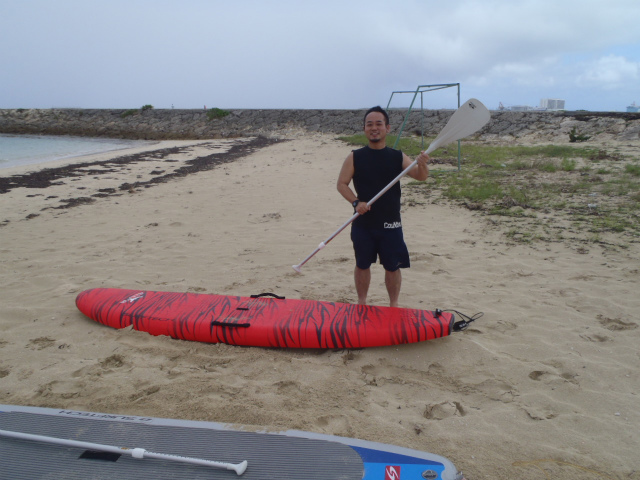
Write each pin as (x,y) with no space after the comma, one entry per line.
(466,319)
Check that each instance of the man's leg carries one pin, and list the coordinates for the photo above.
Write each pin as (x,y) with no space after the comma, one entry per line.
(363,279)
(393,281)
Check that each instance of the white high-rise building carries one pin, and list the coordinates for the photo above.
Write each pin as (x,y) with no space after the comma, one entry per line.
(552,104)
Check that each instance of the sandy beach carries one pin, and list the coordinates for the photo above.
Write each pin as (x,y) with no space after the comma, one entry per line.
(544,385)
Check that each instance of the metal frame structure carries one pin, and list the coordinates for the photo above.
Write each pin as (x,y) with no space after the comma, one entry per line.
(421,90)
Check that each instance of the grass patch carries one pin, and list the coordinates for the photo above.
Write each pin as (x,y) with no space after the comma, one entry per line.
(632,169)
(473,189)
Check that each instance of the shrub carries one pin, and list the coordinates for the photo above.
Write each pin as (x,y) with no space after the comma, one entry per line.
(574,136)
(217,113)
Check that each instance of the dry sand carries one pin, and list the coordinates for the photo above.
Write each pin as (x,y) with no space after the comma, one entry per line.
(545,385)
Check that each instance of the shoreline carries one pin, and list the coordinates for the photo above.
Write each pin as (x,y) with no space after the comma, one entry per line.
(546,379)
(154,165)
(69,156)
(151,145)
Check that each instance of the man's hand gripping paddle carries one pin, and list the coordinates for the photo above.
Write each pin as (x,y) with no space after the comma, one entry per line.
(468,119)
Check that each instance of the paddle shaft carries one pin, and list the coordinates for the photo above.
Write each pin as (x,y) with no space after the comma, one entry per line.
(134,452)
(355,215)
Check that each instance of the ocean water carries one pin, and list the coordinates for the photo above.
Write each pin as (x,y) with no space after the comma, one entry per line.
(19,150)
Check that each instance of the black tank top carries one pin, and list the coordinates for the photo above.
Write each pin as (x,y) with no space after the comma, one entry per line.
(373,170)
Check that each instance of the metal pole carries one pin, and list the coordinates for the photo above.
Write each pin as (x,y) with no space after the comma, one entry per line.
(406,118)
(459,140)
(421,120)
(421,89)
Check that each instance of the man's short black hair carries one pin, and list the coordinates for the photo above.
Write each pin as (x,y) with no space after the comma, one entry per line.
(379,110)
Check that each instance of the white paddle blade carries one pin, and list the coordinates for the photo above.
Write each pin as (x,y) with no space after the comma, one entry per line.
(468,119)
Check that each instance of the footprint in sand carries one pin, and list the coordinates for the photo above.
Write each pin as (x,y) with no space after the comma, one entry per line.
(196,289)
(41,343)
(267,217)
(114,361)
(548,377)
(287,387)
(105,366)
(496,389)
(537,375)
(144,393)
(440,411)
(503,326)
(536,412)
(333,423)
(615,324)
(596,338)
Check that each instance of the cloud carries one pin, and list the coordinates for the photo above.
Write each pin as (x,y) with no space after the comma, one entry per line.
(472,38)
(291,54)
(610,72)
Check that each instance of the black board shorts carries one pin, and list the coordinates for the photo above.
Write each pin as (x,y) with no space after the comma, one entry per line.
(369,244)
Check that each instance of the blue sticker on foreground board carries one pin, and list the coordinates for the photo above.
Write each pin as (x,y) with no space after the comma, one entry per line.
(414,471)
(381,465)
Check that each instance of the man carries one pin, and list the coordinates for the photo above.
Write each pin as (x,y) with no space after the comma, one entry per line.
(377,231)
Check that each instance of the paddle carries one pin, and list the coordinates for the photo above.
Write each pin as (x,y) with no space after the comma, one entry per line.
(468,119)
(134,452)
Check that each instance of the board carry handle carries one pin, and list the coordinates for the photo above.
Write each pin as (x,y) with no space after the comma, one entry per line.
(230,324)
(268,294)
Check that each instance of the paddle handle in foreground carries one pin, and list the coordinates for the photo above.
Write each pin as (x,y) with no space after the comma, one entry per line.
(468,119)
(134,452)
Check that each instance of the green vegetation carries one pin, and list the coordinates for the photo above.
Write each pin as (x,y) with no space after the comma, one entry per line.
(551,192)
(632,170)
(134,111)
(574,136)
(408,145)
(217,113)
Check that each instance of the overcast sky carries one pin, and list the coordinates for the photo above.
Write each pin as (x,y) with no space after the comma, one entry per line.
(317,54)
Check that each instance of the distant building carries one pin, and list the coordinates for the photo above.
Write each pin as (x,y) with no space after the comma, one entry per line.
(633,108)
(520,108)
(545,104)
(551,104)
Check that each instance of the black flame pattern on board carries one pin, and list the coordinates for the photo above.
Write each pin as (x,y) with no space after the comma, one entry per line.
(263,322)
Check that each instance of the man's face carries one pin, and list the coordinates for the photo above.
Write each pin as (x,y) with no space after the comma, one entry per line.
(375,128)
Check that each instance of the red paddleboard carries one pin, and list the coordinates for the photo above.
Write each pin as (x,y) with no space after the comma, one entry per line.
(262,321)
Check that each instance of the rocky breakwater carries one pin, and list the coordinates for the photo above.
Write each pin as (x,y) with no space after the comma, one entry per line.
(196,124)
(560,126)
(157,124)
